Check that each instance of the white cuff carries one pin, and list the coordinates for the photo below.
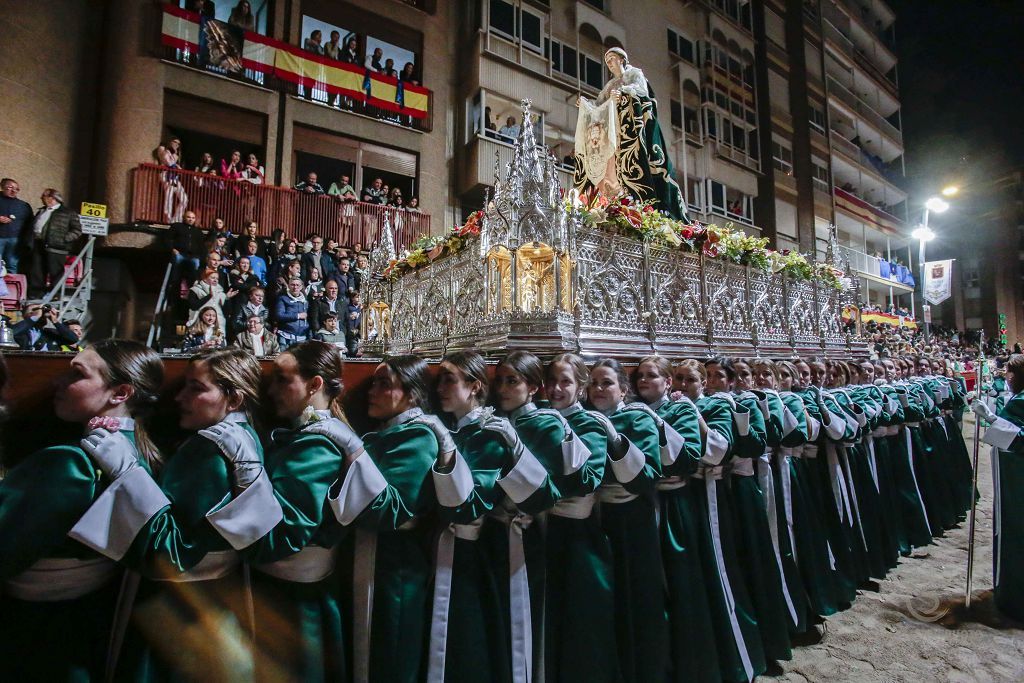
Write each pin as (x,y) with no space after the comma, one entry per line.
(789,421)
(629,465)
(454,487)
(1001,433)
(362,483)
(523,480)
(861,418)
(903,398)
(116,517)
(673,446)
(836,426)
(742,420)
(766,412)
(894,405)
(715,449)
(574,454)
(813,428)
(249,516)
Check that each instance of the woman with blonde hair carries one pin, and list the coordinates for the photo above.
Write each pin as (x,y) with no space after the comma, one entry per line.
(205,333)
(58,596)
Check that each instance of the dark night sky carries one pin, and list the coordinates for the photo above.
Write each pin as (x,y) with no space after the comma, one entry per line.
(961,77)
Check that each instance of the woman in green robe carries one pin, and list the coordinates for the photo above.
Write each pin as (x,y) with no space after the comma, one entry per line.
(190,617)
(295,585)
(386,494)
(629,519)
(702,630)
(1006,436)
(579,607)
(470,623)
(547,436)
(57,596)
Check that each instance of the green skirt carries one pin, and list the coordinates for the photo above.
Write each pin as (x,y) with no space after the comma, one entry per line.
(1008,470)
(911,505)
(823,583)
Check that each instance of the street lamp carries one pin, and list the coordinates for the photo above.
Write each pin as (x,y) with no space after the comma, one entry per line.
(950,191)
(923,234)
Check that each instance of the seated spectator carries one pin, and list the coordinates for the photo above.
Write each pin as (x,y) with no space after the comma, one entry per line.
(290,312)
(357,248)
(257,338)
(249,232)
(355,318)
(252,306)
(232,168)
(207,293)
(41,329)
(257,263)
(15,223)
(314,284)
(309,185)
(348,281)
(76,327)
(292,270)
(253,172)
(312,44)
(413,205)
(375,193)
(206,165)
(329,303)
(510,131)
(373,62)
(331,334)
(205,332)
(343,190)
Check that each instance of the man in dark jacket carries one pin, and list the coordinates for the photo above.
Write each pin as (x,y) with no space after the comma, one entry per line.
(347,279)
(15,221)
(319,259)
(41,330)
(328,304)
(186,239)
(55,231)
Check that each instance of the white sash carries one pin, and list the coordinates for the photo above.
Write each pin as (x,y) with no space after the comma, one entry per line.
(997,522)
(309,565)
(844,458)
(741,467)
(839,492)
(873,462)
(577,507)
(785,475)
(670,483)
(615,494)
(53,579)
(910,461)
(764,478)
(443,593)
(519,594)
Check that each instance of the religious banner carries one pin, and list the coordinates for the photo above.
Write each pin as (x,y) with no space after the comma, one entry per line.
(220,45)
(938,281)
(597,139)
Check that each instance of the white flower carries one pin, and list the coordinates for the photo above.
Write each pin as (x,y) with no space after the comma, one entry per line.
(309,416)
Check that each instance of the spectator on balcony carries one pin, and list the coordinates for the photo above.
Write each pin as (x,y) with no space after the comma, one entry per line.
(510,131)
(256,262)
(328,304)
(207,293)
(205,332)
(186,238)
(396,201)
(175,198)
(15,223)
(375,193)
(207,165)
(333,47)
(317,258)
(313,43)
(408,74)
(56,230)
(330,333)
(343,190)
(413,205)
(389,68)
(310,184)
(395,193)
(350,54)
(41,329)
(252,171)
(232,168)
(355,318)
(257,338)
(205,8)
(373,62)
(252,306)
(291,311)
(347,280)
(242,16)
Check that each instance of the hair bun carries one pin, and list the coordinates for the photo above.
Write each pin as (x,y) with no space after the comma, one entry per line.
(334,386)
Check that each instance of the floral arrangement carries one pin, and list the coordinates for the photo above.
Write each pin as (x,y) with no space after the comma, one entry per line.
(427,248)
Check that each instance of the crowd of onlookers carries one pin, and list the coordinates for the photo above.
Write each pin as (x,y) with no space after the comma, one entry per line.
(891,309)
(264,293)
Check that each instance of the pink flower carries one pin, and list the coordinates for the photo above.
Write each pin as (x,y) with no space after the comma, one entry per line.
(111,424)
(676,396)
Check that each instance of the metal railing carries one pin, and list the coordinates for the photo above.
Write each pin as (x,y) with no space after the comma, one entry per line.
(161,196)
(73,299)
(870,265)
(862,108)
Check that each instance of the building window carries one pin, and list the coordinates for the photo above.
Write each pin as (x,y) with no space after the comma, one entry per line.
(677,113)
(563,58)
(737,10)
(817,119)
(517,24)
(596,4)
(822,178)
(730,203)
(681,46)
(591,71)
(782,157)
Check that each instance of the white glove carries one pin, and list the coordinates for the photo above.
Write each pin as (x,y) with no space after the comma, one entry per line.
(568,433)
(112,452)
(238,448)
(338,432)
(445,443)
(617,444)
(644,408)
(504,429)
(981,409)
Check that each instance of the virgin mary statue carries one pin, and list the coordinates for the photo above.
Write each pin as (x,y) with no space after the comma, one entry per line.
(619,145)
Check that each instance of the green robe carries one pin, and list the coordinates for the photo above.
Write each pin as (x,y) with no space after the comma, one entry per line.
(1008,556)
(299,631)
(641,625)
(41,498)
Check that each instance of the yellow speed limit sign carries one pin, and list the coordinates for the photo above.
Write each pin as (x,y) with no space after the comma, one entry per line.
(94,210)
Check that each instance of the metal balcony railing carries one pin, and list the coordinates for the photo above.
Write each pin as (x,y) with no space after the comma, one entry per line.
(863,109)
